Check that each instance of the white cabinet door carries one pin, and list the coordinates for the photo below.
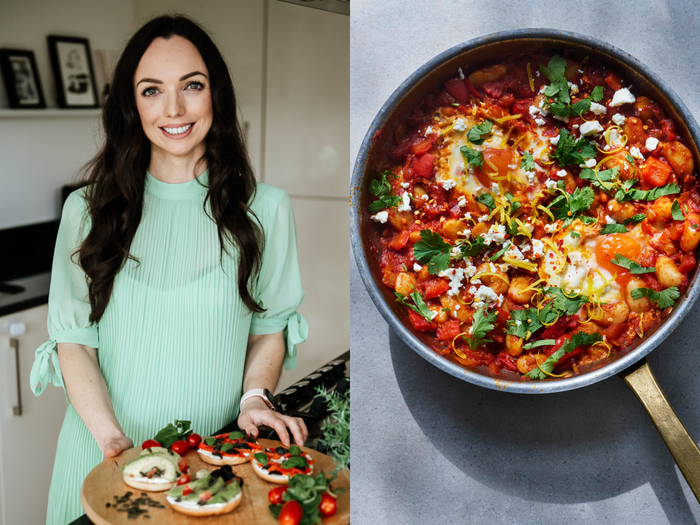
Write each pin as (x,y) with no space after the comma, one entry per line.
(28,441)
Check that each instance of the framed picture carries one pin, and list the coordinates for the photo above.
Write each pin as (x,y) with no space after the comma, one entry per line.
(72,71)
(21,79)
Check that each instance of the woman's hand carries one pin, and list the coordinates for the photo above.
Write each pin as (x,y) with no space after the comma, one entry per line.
(254,413)
(115,445)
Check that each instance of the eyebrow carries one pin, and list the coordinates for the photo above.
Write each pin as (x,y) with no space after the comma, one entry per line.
(185,77)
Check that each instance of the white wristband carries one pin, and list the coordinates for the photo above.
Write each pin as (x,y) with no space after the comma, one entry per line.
(256,392)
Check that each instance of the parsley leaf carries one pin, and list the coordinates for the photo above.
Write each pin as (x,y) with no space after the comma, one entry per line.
(381,186)
(580,107)
(613,228)
(597,94)
(384,202)
(663,299)
(559,86)
(476,133)
(578,339)
(527,163)
(472,248)
(676,212)
(573,152)
(487,200)
(604,178)
(433,251)
(523,323)
(569,305)
(483,324)
(635,219)
(541,342)
(626,193)
(419,305)
(632,266)
(471,156)
(569,207)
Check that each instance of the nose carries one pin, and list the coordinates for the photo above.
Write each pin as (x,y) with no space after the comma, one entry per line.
(174,105)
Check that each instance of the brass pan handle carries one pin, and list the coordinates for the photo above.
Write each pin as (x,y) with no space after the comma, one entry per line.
(682,447)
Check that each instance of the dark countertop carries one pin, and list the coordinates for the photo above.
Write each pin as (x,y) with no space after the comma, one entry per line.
(35,293)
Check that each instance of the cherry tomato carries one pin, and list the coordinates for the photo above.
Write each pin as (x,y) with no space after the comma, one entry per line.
(185,478)
(187,490)
(328,505)
(150,443)
(182,465)
(205,496)
(291,513)
(275,494)
(194,440)
(180,447)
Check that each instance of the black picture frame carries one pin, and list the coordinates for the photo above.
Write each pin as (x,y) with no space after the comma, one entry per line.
(74,76)
(21,78)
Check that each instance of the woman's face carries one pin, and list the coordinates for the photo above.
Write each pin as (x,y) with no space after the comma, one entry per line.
(173,97)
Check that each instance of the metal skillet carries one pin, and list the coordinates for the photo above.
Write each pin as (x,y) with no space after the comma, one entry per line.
(630,364)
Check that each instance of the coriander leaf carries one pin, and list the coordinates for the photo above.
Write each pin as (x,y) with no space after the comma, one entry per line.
(635,219)
(477,133)
(568,208)
(663,299)
(527,163)
(487,200)
(471,156)
(597,94)
(632,266)
(627,194)
(433,251)
(568,305)
(576,340)
(629,159)
(523,323)
(483,324)
(560,109)
(602,179)
(575,235)
(384,202)
(613,228)
(573,152)
(419,305)
(472,248)
(514,204)
(585,219)
(541,342)
(500,252)
(580,107)
(559,86)
(380,187)
(676,212)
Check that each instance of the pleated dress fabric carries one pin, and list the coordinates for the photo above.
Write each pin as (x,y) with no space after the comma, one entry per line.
(172,341)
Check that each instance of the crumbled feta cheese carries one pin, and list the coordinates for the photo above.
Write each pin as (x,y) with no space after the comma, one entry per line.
(542,106)
(551,184)
(609,220)
(467,215)
(575,126)
(455,275)
(433,314)
(554,140)
(529,227)
(591,128)
(622,96)
(455,252)
(534,110)
(618,119)
(448,184)
(537,248)
(484,218)
(651,144)
(405,204)
(495,189)
(561,173)
(497,233)
(457,305)
(514,253)
(598,109)
(540,122)
(470,271)
(381,216)
(634,151)
(405,185)
(459,125)
(537,73)
(563,119)
(461,73)
(530,176)
(417,267)
(524,248)
(615,138)
(424,197)
(549,228)
(462,202)
(606,147)
(573,88)
(428,131)
(466,232)
(485,295)
(590,163)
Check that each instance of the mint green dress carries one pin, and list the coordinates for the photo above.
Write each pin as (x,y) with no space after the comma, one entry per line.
(172,341)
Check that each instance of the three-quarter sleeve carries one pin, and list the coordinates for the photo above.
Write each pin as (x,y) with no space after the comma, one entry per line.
(278,287)
(69,306)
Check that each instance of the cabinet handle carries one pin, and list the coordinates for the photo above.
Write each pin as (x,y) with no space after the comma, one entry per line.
(17,410)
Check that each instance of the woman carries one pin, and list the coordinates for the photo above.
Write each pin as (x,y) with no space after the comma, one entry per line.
(175,282)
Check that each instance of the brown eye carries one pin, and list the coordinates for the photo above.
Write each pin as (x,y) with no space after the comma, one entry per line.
(149,92)
(197,86)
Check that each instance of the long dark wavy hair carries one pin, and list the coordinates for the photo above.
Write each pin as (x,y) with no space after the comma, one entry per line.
(116,175)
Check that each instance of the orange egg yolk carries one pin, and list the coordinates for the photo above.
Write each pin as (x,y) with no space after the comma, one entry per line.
(501,159)
(625,245)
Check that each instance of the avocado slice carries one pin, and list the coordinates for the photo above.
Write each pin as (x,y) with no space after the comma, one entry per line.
(165,462)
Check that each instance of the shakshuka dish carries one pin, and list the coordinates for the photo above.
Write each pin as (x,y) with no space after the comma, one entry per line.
(536,215)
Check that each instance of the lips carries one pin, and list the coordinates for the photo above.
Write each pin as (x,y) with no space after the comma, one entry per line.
(177,130)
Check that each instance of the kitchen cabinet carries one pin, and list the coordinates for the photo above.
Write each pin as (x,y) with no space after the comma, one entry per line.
(27,441)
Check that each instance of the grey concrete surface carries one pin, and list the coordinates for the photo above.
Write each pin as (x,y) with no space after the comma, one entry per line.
(429,448)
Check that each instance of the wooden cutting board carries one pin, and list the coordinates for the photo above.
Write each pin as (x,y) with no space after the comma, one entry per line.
(105,481)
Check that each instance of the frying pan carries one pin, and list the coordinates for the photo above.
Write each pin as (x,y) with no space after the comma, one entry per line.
(630,364)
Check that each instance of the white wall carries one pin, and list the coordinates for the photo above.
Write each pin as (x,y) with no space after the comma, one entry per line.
(290,66)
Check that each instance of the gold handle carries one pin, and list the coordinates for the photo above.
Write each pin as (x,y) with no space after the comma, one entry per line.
(682,447)
(17,410)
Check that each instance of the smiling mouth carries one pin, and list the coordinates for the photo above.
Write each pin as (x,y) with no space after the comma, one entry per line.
(179,130)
